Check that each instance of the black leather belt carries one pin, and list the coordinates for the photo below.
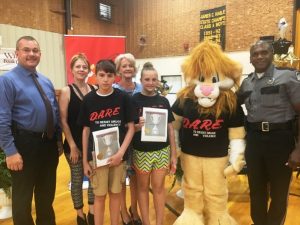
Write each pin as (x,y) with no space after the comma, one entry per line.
(266,126)
(41,135)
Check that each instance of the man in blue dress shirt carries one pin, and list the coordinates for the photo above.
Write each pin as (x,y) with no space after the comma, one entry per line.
(31,155)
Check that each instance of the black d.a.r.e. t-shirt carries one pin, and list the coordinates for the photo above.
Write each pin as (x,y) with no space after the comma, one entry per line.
(205,135)
(102,112)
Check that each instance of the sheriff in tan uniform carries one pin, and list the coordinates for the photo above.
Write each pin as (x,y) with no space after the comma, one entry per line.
(272,100)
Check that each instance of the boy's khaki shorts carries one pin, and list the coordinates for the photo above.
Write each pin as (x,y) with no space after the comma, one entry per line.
(108,179)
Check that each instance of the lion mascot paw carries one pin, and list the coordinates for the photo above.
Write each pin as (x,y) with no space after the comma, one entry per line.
(236,152)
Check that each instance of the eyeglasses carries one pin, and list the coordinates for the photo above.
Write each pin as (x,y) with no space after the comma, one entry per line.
(28,50)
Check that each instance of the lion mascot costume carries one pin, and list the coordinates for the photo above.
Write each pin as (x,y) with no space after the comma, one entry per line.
(208,120)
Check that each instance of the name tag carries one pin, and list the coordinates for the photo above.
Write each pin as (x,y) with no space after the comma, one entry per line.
(270,90)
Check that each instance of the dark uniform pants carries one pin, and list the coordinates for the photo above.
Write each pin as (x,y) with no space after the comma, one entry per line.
(38,177)
(266,155)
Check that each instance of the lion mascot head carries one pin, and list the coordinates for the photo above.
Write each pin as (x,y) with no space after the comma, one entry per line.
(210,76)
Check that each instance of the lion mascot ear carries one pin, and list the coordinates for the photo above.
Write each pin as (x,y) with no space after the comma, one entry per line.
(209,95)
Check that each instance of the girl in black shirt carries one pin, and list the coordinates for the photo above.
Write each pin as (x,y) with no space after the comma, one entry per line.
(151,160)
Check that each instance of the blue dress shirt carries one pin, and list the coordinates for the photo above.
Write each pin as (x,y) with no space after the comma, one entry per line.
(21,102)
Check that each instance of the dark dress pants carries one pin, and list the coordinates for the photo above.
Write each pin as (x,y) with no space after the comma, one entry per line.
(269,178)
(38,177)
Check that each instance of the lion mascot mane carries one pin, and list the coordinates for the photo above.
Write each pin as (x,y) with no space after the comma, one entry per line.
(207,121)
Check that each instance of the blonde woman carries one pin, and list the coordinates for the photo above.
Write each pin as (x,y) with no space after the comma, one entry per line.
(69,104)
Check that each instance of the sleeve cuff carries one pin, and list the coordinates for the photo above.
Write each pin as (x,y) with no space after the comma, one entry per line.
(10,151)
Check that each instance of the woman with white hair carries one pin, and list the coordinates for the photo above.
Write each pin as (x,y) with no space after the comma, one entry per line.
(126,69)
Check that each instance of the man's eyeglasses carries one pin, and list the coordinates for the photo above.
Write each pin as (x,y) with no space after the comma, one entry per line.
(28,50)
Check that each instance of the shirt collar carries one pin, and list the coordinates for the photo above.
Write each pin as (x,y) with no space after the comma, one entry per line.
(268,73)
(25,72)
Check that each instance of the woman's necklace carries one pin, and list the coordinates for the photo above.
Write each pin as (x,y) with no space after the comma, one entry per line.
(82,90)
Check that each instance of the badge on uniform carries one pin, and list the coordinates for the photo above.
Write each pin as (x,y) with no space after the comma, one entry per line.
(271,81)
(298,76)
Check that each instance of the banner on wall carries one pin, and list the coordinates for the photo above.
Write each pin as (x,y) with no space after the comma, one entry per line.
(8,59)
(95,48)
(212,25)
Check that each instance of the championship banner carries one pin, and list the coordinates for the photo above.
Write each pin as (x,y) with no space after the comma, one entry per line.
(95,48)
(212,25)
(8,59)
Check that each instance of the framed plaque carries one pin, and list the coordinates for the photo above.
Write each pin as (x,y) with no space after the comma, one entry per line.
(156,125)
(106,144)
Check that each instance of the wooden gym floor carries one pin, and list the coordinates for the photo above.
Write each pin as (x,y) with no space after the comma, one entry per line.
(238,203)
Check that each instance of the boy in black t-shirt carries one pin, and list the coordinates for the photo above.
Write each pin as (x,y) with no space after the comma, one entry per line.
(105,108)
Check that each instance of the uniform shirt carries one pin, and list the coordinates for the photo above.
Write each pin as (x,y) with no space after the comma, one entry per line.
(137,88)
(22,103)
(205,135)
(156,101)
(101,112)
(271,97)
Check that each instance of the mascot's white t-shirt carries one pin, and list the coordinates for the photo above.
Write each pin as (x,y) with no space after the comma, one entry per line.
(205,135)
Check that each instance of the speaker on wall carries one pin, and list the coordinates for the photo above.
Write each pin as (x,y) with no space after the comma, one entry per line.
(297,4)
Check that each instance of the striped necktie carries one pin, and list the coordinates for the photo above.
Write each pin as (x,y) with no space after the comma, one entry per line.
(50,120)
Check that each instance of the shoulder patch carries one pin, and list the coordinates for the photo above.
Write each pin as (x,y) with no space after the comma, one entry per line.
(249,75)
(298,75)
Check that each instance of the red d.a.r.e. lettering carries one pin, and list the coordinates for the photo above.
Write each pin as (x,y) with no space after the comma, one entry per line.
(105,113)
(206,124)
